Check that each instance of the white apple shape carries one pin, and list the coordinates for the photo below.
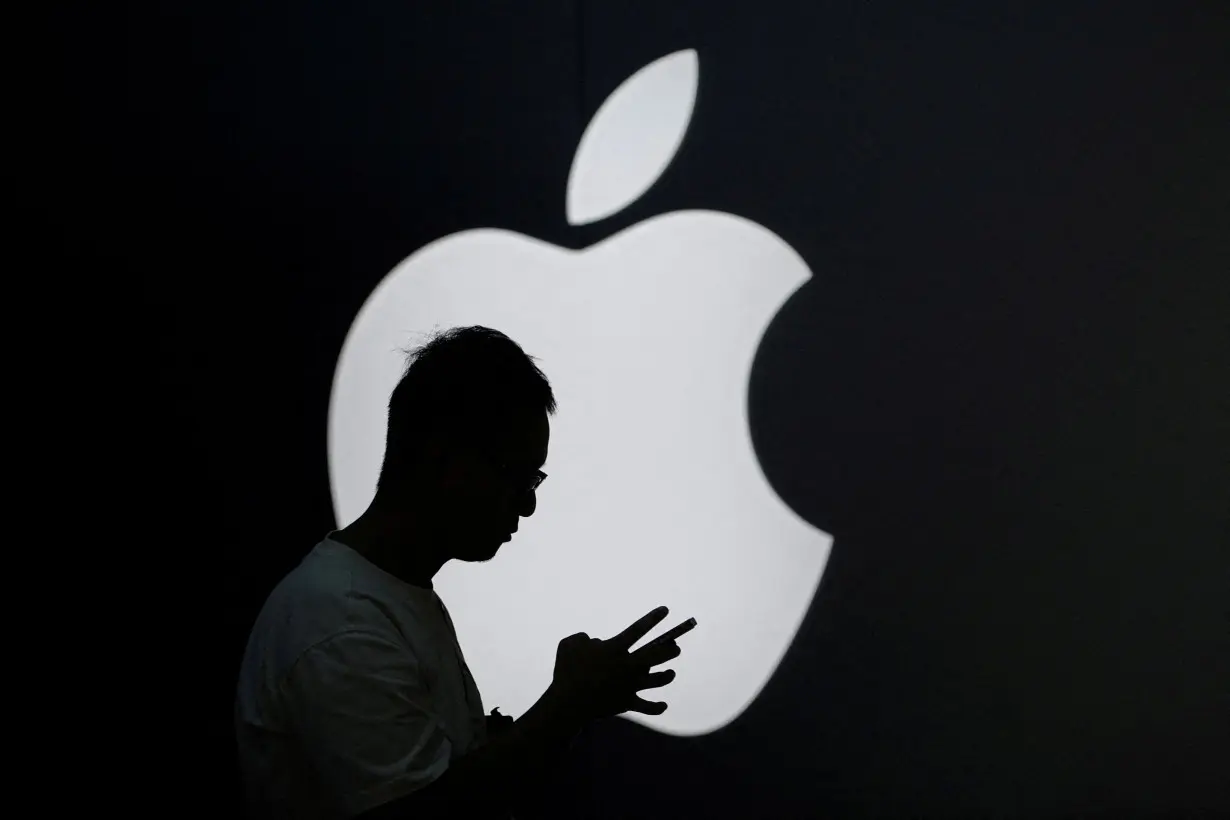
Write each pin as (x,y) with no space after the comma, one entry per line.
(656,495)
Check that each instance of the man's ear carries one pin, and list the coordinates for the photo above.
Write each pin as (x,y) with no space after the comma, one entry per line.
(443,462)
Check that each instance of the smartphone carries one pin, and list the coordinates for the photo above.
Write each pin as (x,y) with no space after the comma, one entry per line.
(674,632)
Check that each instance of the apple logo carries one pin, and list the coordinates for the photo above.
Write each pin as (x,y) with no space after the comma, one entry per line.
(656,495)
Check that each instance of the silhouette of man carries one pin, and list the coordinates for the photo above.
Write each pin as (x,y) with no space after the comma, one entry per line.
(354,698)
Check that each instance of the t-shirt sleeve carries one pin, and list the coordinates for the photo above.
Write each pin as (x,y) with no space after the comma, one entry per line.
(362,715)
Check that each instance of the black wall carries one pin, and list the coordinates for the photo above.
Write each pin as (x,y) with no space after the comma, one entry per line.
(1004,391)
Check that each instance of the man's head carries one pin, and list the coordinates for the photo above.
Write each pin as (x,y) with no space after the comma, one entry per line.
(467,437)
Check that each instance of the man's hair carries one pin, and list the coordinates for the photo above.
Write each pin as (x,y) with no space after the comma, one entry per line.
(462,382)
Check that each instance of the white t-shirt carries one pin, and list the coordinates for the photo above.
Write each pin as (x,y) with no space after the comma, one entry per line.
(353,691)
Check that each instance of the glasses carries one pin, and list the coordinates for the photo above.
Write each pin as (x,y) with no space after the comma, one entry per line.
(523,482)
(536,480)
(517,477)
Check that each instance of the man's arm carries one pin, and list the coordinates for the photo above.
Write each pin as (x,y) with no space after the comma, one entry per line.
(363,715)
(592,679)
(365,719)
(490,779)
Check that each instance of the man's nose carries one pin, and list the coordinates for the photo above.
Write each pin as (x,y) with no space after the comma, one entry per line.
(527,503)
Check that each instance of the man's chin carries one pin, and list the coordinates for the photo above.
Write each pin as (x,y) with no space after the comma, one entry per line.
(478,553)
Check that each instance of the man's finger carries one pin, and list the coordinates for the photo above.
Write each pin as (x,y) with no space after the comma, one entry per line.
(646,707)
(674,633)
(653,654)
(654,680)
(640,629)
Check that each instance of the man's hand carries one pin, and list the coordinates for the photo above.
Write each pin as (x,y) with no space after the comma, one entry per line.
(498,724)
(596,679)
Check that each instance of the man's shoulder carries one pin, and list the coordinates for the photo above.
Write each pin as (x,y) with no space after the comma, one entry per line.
(317,601)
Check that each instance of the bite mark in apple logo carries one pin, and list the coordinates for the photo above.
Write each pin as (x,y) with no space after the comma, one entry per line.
(657,497)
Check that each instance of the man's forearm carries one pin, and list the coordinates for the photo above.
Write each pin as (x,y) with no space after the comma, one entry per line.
(492,778)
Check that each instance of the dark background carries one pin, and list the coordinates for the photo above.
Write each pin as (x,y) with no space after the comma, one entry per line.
(1004,391)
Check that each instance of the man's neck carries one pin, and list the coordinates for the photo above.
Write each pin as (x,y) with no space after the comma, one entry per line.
(395,545)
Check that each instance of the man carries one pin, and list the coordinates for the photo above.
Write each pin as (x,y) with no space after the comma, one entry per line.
(354,697)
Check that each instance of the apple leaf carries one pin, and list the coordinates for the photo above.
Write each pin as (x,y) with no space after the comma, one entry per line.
(632,138)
